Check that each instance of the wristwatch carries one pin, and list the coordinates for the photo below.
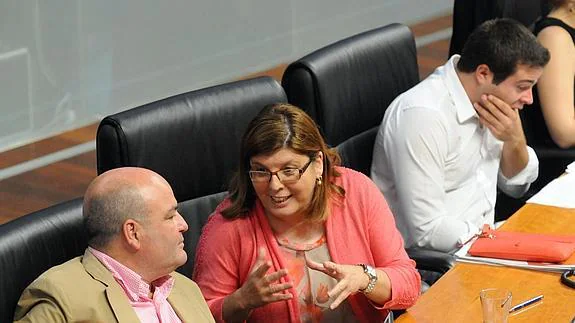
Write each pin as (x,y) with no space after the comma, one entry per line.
(372,274)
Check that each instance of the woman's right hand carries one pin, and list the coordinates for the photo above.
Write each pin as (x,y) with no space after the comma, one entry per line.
(259,289)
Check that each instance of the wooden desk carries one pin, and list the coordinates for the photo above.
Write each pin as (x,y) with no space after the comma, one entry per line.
(455,297)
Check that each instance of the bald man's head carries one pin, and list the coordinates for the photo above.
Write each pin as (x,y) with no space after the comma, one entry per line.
(114,197)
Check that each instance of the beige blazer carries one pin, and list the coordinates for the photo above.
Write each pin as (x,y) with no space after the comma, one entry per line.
(83,290)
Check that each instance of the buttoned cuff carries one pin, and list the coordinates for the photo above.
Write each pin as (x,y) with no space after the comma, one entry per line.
(528,174)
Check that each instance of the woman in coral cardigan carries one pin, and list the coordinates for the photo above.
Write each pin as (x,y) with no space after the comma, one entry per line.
(300,239)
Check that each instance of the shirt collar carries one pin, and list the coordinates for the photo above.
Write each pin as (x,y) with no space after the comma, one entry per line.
(133,285)
(463,106)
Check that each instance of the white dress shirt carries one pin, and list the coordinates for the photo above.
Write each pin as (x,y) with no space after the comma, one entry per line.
(438,167)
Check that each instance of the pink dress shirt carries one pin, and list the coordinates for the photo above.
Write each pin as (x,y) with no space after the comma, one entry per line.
(359,229)
(149,310)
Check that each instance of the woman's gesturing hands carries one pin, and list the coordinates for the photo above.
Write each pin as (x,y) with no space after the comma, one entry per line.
(261,288)
(258,290)
(350,279)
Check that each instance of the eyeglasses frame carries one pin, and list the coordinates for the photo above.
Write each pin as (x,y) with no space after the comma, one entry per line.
(271,174)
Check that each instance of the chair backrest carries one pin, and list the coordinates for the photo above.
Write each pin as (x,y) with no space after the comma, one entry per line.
(191,139)
(357,151)
(346,86)
(467,15)
(524,11)
(196,213)
(31,244)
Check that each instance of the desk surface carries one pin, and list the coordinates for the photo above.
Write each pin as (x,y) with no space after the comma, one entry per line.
(455,297)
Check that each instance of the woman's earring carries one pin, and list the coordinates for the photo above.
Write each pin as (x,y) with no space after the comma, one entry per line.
(318,180)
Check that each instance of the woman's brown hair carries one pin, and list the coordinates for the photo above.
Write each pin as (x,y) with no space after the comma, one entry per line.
(275,127)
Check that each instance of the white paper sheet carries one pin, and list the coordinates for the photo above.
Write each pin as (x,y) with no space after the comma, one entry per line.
(560,192)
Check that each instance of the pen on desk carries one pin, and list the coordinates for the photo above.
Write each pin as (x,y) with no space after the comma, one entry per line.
(526,303)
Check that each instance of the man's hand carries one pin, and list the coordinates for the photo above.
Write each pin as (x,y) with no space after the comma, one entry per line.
(505,124)
(502,120)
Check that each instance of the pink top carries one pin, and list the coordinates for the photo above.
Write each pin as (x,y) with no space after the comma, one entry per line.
(311,285)
(360,229)
(149,310)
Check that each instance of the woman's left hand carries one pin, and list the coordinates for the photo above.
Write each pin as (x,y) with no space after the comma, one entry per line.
(350,279)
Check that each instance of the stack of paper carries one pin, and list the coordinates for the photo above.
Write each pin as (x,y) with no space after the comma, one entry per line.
(560,192)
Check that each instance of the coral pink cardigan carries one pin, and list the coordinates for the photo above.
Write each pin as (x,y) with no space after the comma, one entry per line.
(360,229)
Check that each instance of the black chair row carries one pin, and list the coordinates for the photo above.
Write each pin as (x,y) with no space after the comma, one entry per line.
(192,139)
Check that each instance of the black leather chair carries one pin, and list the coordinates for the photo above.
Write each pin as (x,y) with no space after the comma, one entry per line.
(357,151)
(468,14)
(347,86)
(196,212)
(192,139)
(31,244)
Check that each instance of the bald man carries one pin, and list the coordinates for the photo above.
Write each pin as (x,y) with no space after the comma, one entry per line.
(127,272)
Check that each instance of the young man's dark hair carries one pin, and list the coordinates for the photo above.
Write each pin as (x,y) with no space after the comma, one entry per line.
(502,44)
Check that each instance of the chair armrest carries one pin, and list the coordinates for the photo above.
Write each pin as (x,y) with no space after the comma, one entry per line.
(431,260)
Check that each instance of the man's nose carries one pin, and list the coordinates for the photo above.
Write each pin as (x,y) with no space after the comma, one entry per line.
(183,225)
(528,98)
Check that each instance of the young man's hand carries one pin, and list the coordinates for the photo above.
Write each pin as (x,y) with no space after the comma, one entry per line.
(502,120)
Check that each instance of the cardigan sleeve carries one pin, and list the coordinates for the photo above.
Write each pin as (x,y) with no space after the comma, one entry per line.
(387,248)
(216,269)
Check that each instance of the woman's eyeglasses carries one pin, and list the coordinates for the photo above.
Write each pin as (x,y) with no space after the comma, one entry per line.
(286,175)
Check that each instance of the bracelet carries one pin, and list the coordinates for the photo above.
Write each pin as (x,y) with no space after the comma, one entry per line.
(372,275)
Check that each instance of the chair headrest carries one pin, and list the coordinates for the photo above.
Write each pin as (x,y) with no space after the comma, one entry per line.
(191,139)
(347,85)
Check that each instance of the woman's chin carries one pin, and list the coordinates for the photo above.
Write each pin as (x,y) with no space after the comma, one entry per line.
(283,211)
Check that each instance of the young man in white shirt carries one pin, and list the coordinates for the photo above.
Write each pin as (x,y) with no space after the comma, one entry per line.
(445,145)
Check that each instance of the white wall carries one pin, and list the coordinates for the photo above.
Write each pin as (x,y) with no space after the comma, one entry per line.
(68,63)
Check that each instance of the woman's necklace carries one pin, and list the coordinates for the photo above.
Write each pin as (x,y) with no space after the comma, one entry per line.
(303,232)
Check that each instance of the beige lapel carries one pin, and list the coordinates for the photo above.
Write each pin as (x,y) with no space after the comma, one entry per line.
(186,305)
(117,299)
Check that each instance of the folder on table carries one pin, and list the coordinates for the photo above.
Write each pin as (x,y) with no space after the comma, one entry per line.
(523,246)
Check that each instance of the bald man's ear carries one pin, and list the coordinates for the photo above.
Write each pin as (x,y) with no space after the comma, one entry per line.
(483,75)
(132,234)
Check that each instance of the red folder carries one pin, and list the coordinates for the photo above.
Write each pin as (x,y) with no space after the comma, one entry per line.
(523,246)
